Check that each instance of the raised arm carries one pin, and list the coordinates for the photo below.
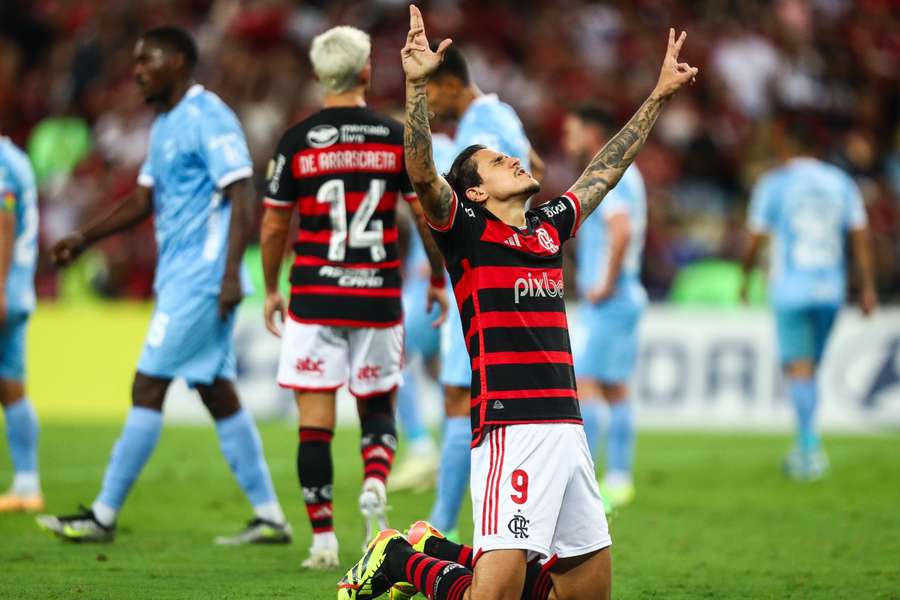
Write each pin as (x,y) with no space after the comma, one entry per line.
(418,63)
(608,165)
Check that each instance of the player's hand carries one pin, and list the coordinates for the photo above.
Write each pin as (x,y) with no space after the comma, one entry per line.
(67,249)
(868,300)
(230,295)
(274,304)
(600,293)
(2,308)
(439,295)
(418,60)
(674,74)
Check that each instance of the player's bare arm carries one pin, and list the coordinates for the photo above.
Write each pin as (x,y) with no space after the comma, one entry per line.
(620,236)
(436,292)
(126,214)
(242,198)
(748,261)
(7,242)
(418,63)
(273,238)
(862,255)
(608,165)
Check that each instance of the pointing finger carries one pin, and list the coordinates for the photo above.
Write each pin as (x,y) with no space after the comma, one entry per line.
(415,17)
(671,37)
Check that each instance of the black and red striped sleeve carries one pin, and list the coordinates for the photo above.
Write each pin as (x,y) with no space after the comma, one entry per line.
(563,213)
(281,188)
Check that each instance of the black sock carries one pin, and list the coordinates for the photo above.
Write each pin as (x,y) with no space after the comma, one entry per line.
(378,444)
(446,550)
(316,475)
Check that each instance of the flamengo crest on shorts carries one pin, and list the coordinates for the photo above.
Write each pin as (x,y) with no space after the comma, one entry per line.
(508,284)
(343,169)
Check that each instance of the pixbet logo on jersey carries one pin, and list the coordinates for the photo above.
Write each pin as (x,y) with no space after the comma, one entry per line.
(540,287)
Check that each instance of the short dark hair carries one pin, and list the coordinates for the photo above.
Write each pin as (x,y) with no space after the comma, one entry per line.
(454,64)
(594,114)
(463,173)
(175,39)
(801,128)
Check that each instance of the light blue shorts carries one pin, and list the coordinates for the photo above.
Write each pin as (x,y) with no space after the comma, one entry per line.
(803,331)
(610,349)
(12,347)
(456,366)
(421,338)
(188,339)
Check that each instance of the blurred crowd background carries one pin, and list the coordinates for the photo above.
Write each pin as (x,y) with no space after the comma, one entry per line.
(67,96)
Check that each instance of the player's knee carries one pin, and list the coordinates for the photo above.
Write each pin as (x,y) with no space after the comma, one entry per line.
(456,401)
(220,398)
(800,369)
(614,393)
(148,392)
(11,391)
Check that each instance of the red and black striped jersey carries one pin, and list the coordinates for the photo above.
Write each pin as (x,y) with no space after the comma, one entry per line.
(343,170)
(508,284)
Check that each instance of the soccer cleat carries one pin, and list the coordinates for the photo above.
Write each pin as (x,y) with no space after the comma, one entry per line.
(79,527)
(810,465)
(616,495)
(367,578)
(323,553)
(13,502)
(419,533)
(402,591)
(259,531)
(373,505)
(417,472)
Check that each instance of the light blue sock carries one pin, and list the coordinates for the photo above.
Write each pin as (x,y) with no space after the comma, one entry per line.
(621,438)
(453,473)
(408,413)
(804,394)
(129,455)
(591,414)
(22,435)
(240,443)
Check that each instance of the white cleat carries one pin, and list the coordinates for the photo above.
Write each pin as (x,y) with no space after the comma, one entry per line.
(323,554)
(417,472)
(373,506)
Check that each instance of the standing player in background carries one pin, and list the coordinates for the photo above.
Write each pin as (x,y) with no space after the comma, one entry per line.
(417,471)
(609,268)
(342,170)
(18,258)
(196,184)
(481,119)
(534,493)
(808,207)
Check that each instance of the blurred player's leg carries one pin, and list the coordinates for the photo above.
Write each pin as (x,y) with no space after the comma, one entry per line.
(418,469)
(130,453)
(21,420)
(453,474)
(240,444)
(315,472)
(378,443)
(591,404)
(617,480)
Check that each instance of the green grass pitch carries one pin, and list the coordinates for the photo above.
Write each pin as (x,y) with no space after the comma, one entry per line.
(713,518)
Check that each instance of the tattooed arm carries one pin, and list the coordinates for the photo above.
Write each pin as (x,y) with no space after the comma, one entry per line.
(608,165)
(418,63)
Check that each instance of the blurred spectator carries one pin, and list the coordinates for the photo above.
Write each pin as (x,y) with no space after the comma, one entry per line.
(68,63)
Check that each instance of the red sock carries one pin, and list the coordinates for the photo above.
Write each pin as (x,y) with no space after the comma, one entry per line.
(378,444)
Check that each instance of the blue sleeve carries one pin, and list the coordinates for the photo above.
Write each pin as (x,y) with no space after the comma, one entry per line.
(223,147)
(760,218)
(855,212)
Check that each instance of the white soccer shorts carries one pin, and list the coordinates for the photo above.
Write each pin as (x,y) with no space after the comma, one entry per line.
(534,489)
(323,358)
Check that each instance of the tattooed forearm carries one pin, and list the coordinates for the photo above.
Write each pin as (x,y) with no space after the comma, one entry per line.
(608,165)
(434,193)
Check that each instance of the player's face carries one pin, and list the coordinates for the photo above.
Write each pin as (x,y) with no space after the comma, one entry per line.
(502,176)
(153,70)
(442,95)
(575,139)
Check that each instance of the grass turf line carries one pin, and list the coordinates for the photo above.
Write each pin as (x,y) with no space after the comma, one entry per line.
(713,518)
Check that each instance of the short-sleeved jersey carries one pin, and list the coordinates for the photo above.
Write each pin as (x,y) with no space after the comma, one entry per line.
(508,284)
(807,206)
(18,195)
(343,170)
(196,150)
(627,197)
(490,122)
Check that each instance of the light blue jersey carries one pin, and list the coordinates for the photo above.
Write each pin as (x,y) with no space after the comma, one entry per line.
(18,194)
(807,206)
(494,124)
(628,197)
(608,352)
(196,150)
